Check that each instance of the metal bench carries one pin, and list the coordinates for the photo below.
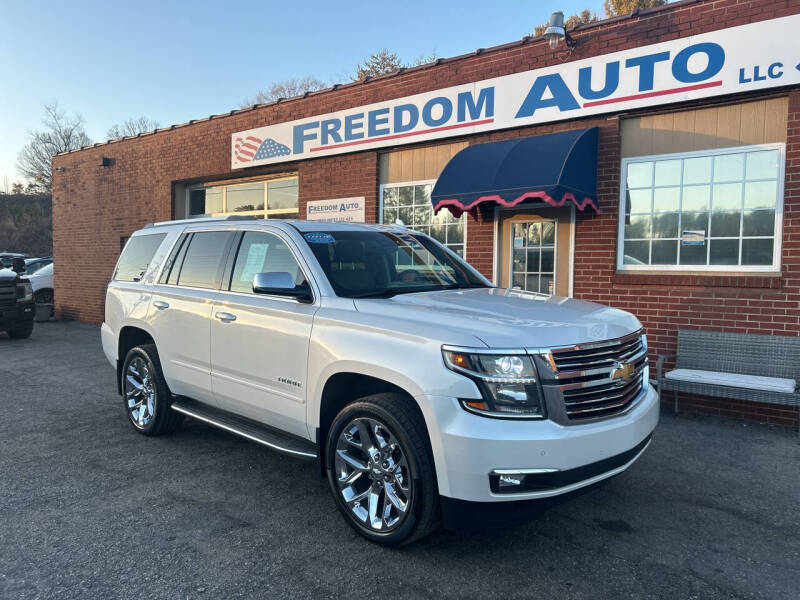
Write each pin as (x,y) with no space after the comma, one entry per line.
(734,355)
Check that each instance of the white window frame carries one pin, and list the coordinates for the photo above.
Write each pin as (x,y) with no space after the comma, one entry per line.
(775,267)
(555,253)
(431,182)
(265,213)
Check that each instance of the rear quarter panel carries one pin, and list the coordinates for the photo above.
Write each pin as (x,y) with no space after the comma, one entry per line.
(128,302)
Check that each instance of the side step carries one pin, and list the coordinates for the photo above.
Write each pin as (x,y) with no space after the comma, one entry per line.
(246,428)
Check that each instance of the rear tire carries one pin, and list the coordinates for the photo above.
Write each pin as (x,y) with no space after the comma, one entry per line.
(145,395)
(375,447)
(21,332)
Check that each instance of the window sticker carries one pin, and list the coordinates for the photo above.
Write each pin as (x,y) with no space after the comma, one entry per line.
(693,238)
(318,237)
(256,254)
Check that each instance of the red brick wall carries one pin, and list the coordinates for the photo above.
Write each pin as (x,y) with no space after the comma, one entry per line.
(344,177)
(94,206)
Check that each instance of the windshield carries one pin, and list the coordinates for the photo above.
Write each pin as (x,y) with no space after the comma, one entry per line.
(363,264)
(35,265)
(45,270)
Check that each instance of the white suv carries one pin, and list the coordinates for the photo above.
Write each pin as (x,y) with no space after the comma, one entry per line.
(426,394)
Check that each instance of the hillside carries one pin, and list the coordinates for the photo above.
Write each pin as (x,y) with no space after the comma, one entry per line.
(26,224)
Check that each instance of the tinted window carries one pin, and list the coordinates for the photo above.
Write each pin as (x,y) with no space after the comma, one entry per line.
(262,253)
(205,259)
(136,256)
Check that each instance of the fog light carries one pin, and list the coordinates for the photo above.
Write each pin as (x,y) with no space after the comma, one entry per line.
(509,481)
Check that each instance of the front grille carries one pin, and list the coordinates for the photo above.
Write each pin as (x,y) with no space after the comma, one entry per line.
(600,379)
(8,295)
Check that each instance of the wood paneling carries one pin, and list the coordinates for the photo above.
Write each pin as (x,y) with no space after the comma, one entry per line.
(416,164)
(759,122)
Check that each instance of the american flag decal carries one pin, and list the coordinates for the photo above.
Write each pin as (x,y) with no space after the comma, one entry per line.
(252,148)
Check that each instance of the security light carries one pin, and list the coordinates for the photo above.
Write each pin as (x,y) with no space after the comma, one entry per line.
(556,31)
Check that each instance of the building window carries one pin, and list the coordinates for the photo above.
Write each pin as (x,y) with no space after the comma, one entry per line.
(534,251)
(411,203)
(270,199)
(715,210)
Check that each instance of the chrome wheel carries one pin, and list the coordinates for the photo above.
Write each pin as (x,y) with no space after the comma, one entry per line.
(372,475)
(140,392)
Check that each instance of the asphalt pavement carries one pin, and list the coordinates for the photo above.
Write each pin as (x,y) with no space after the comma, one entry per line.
(91,509)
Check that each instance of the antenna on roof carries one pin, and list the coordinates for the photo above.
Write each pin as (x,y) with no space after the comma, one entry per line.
(399,223)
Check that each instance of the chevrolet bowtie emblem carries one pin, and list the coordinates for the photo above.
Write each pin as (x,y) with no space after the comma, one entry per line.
(622,371)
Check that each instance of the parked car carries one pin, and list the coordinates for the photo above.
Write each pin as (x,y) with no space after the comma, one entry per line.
(42,282)
(7,258)
(17,306)
(32,265)
(426,394)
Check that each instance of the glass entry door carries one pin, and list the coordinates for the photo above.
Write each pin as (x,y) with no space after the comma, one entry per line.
(533,256)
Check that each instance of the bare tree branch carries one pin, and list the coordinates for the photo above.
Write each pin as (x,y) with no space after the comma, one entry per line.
(615,8)
(285,89)
(60,134)
(131,127)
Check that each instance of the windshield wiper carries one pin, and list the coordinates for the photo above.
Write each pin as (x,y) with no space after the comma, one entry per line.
(388,293)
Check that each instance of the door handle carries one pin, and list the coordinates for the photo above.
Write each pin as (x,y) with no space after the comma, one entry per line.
(160,304)
(225,317)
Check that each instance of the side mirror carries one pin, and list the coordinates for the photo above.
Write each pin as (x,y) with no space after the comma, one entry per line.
(18,265)
(281,283)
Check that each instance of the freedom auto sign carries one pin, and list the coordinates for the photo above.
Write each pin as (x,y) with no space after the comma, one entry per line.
(740,59)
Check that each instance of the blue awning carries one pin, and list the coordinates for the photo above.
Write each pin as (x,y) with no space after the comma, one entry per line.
(555,168)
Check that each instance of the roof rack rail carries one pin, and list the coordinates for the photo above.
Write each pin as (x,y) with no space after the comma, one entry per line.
(202,220)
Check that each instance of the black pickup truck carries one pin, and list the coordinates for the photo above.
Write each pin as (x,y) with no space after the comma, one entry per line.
(17,306)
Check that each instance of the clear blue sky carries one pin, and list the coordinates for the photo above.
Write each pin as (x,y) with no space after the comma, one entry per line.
(175,61)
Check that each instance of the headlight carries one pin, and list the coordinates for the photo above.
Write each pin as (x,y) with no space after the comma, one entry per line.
(25,291)
(508,383)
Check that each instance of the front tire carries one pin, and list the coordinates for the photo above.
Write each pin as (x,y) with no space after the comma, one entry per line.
(145,393)
(381,471)
(21,332)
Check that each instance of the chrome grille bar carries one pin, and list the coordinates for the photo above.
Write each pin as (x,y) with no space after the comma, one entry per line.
(592,378)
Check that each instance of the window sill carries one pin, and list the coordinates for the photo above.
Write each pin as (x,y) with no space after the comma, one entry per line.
(770,281)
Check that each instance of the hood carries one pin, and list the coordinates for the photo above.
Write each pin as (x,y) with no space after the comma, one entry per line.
(504,318)
(7,275)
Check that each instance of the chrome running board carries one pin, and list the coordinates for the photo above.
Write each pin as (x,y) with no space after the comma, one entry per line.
(246,428)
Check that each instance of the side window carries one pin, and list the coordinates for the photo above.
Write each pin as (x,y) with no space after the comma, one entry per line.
(136,256)
(261,252)
(172,266)
(204,260)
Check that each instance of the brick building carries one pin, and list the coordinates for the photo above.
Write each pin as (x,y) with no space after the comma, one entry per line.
(696,111)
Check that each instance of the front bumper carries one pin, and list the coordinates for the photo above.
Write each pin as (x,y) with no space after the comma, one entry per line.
(468,448)
(18,315)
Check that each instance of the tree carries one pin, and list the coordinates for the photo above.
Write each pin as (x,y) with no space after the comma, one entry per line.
(384,62)
(378,63)
(616,8)
(131,127)
(26,223)
(585,16)
(424,59)
(286,89)
(60,134)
